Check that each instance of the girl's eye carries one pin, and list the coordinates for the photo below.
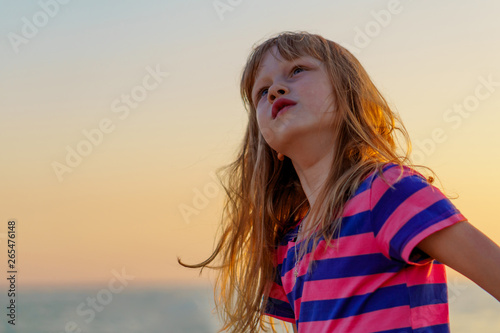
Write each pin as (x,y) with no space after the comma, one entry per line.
(261,92)
(297,70)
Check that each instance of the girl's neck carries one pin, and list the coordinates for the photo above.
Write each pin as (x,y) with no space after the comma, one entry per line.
(313,176)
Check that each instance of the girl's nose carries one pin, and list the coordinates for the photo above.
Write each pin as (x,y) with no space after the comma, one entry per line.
(275,91)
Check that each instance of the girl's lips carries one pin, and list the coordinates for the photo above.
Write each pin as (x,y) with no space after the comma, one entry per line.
(279,104)
(283,110)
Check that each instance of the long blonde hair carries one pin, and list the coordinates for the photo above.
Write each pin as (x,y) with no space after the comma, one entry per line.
(264,195)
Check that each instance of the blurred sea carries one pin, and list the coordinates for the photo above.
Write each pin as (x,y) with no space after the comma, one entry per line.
(180,310)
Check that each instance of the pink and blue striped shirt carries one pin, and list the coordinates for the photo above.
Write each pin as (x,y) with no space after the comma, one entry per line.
(374,279)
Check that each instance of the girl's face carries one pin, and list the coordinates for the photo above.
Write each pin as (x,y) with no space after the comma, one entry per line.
(294,102)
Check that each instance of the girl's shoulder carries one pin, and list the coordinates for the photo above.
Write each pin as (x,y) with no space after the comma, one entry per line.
(391,173)
(389,180)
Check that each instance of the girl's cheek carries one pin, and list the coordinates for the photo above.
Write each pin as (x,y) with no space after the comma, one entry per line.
(265,128)
(268,136)
(261,122)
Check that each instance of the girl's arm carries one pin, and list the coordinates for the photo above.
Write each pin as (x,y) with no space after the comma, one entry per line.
(468,251)
(294,328)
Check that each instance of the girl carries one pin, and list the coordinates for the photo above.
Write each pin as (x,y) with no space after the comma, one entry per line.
(326,225)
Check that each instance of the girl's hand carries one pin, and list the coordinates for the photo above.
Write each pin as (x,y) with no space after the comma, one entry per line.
(468,251)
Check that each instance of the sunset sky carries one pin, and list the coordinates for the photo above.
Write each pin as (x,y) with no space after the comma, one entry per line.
(115,115)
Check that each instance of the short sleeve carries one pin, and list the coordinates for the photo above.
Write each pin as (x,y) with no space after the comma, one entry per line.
(277,305)
(406,213)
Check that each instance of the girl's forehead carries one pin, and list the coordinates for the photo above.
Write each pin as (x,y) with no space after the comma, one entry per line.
(273,55)
(273,58)
(269,58)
